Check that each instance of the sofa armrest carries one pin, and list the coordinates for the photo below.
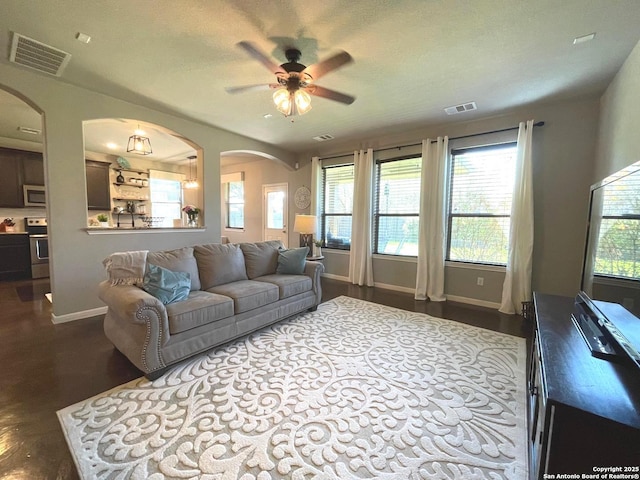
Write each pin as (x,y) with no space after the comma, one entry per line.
(136,323)
(127,301)
(315,270)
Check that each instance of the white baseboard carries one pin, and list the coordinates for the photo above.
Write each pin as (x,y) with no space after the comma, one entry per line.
(70,317)
(396,288)
(335,277)
(473,301)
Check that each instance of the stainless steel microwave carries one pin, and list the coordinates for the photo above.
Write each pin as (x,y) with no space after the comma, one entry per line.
(34,196)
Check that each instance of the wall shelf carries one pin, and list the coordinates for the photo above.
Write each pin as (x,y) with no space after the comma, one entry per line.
(129,170)
(129,185)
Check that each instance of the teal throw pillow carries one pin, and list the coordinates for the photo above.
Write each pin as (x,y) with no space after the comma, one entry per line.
(292,261)
(166,285)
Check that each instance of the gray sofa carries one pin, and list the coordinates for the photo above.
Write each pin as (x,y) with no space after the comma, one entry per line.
(234,290)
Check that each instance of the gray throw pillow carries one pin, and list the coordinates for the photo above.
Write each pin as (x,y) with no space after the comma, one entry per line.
(165,285)
(179,260)
(219,264)
(261,258)
(292,261)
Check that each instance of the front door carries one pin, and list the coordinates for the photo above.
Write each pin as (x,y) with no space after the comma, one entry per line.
(275,212)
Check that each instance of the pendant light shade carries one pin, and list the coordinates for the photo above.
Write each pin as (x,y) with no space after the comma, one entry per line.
(291,103)
(139,144)
(192,182)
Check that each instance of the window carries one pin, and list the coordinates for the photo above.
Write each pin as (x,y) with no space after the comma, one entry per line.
(618,251)
(337,206)
(166,197)
(397,206)
(480,191)
(235,204)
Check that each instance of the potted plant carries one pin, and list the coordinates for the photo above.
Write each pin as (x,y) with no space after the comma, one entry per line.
(103,219)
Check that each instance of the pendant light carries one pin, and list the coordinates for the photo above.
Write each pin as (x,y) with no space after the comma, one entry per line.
(193,181)
(139,144)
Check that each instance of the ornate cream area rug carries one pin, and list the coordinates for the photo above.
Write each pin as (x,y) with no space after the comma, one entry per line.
(352,391)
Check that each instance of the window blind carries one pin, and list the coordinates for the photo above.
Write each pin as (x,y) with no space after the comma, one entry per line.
(337,205)
(397,206)
(480,193)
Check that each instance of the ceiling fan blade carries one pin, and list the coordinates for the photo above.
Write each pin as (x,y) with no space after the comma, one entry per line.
(252,88)
(262,57)
(330,94)
(320,69)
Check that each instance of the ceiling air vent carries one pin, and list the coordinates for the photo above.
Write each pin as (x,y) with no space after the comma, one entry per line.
(323,138)
(463,107)
(30,53)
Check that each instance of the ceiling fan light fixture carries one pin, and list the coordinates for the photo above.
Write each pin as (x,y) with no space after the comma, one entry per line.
(139,144)
(293,103)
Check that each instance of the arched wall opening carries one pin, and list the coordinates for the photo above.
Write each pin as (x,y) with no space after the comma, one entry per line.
(146,189)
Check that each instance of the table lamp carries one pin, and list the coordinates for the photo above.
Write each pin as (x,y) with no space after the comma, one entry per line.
(306,225)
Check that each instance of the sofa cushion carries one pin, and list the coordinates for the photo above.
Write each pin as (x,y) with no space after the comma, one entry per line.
(198,309)
(292,262)
(261,258)
(248,294)
(288,285)
(219,264)
(179,260)
(165,285)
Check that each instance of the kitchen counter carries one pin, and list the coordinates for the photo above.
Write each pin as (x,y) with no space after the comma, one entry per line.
(13,233)
(130,230)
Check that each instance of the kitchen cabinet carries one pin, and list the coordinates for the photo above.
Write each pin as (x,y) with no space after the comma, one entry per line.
(98,197)
(15,259)
(18,168)
(11,179)
(33,168)
(583,410)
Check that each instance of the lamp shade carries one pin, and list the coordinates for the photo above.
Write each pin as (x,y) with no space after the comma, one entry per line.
(305,224)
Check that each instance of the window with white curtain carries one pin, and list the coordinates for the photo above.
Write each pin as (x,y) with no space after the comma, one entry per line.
(479,211)
(337,205)
(166,197)
(397,206)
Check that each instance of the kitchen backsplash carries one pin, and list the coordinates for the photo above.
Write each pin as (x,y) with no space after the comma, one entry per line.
(18,215)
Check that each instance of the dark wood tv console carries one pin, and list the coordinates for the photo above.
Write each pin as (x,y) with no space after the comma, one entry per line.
(584,412)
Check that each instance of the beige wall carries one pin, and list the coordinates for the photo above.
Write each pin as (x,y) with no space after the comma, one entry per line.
(619,132)
(564,154)
(76,257)
(259,172)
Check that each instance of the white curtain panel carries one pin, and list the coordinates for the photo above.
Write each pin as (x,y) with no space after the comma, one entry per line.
(360,260)
(430,269)
(517,282)
(316,177)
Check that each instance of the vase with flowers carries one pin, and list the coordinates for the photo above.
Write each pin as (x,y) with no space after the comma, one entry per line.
(192,214)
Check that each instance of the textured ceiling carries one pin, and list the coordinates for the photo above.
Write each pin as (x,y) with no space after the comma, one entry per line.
(412,58)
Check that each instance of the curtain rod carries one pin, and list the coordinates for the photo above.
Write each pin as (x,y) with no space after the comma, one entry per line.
(537,124)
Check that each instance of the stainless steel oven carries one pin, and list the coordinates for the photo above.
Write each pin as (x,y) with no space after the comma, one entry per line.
(36,227)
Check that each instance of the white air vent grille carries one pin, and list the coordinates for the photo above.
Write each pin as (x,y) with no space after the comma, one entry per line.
(30,53)
(463,107)
(323,138)
(29,130)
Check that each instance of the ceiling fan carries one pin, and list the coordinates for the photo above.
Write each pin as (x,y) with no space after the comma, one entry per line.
(295,81)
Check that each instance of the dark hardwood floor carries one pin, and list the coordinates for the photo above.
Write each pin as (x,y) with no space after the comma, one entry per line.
(46,367)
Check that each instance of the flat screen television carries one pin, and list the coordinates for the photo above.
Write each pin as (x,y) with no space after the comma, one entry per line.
(603,337)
